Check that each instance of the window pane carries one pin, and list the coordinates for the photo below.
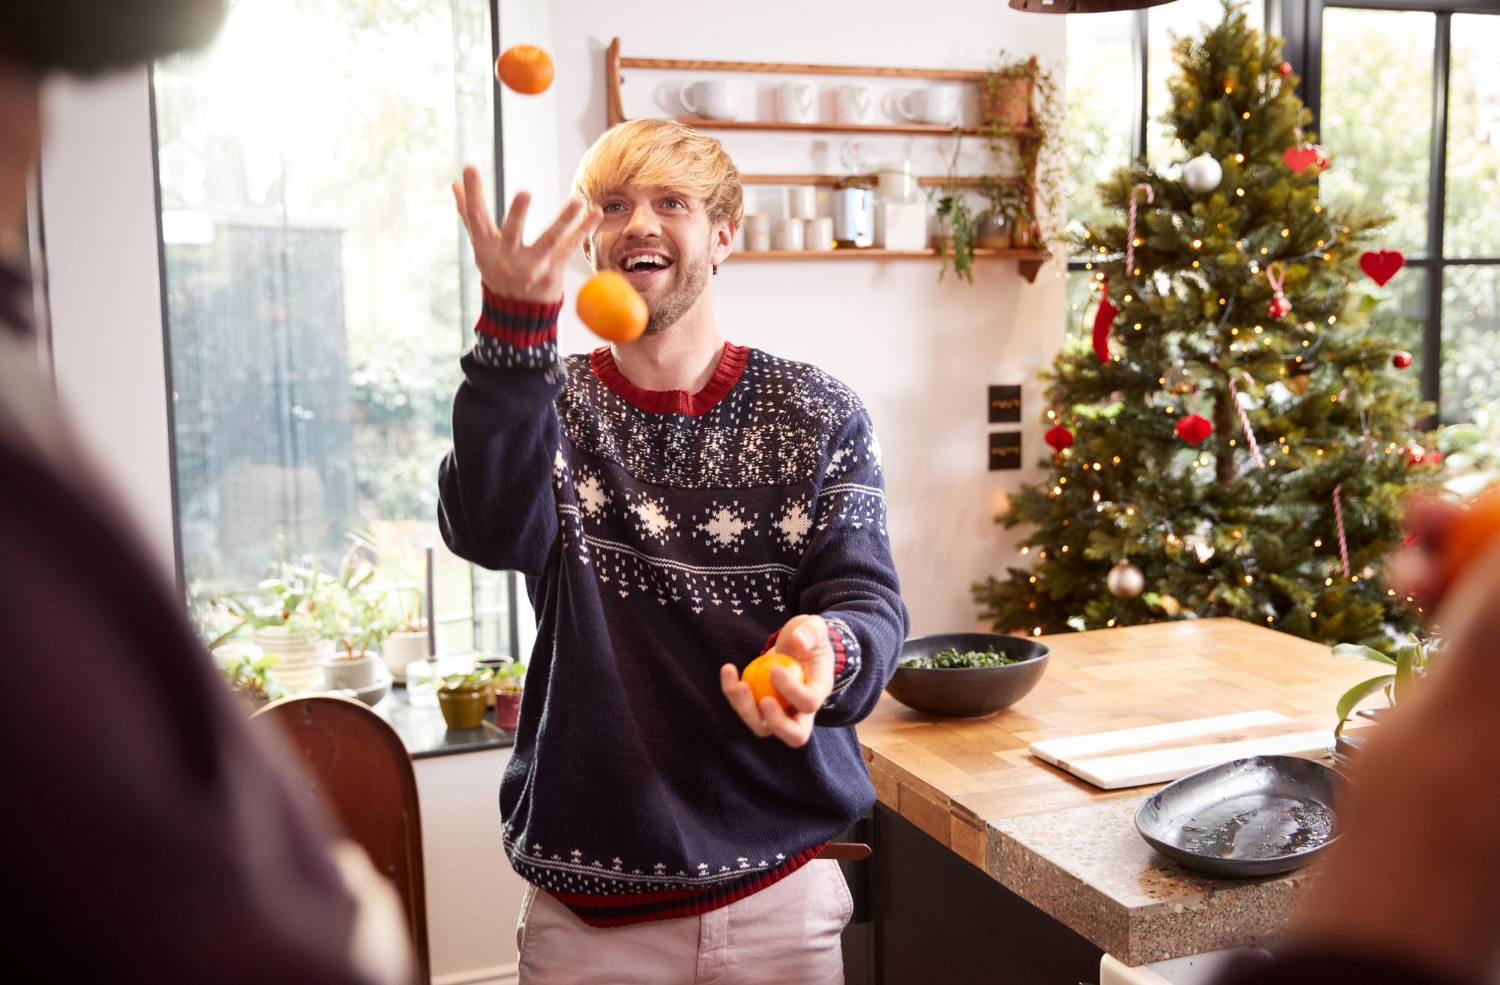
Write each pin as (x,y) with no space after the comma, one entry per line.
(1473,138)
(1100,107)
(319,288)
(1184,18)
(1377,116)
(1402,312)
(1471,341)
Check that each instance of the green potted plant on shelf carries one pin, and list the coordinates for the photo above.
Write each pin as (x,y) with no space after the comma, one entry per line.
(954,239)
(510,681)
(992,229)
(464,697)
(1021,116)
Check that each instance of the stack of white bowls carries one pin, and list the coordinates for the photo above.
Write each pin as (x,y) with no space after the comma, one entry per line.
(300,668)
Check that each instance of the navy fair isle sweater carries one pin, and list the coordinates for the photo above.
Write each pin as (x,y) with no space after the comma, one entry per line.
(662,535)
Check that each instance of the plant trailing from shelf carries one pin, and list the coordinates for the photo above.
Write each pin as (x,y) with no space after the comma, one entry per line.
(1024,95)
(955,222)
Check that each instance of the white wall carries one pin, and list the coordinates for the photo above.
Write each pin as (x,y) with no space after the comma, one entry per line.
(919,353)
(104,290)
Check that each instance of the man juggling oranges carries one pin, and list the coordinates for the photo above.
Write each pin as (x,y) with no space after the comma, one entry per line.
(673,500)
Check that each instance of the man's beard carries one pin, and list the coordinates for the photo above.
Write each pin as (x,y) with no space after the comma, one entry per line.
(666,309)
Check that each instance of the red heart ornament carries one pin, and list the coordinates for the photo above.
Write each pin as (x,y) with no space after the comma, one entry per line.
(1300,158)
(1059,438)
(1381,265)
(1192,428)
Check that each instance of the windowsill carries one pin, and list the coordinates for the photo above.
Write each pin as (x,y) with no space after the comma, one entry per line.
(425,734)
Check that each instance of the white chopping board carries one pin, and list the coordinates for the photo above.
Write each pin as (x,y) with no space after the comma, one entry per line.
(1159,753)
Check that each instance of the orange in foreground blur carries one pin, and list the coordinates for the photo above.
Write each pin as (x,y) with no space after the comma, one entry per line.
(611,307)
(1471,532)
(758,676)
(525,68)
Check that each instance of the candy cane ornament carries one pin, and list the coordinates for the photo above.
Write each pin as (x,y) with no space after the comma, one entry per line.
(1104,318)
(1260,462)
(1338,517)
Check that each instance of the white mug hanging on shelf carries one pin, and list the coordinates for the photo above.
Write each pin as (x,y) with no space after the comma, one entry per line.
(937,105)
(851,104)
(792,102)
(709,100)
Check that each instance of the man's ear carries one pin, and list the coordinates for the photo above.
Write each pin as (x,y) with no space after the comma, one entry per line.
(723,243)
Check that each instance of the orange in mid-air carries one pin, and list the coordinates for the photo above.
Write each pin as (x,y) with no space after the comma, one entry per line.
(525,68)
(758,675)
(610,306)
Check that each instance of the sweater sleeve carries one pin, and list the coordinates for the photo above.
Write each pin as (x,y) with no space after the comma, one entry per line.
(847,575)
(496,505)
(1312,965)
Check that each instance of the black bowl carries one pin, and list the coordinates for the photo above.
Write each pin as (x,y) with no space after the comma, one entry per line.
(964,692)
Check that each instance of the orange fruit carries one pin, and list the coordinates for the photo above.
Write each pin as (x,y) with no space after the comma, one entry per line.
(1471,532)
(525,68)
(758,676)
(611,307)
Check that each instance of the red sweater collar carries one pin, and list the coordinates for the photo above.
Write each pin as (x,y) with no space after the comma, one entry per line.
(726,375)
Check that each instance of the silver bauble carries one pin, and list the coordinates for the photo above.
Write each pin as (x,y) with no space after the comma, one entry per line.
(1125,581)
(1202,174)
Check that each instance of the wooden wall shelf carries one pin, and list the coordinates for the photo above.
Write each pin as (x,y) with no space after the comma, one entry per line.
(1029,262)
(832,180)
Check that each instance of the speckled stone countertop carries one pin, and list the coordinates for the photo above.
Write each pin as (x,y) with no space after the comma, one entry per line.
(1089,868)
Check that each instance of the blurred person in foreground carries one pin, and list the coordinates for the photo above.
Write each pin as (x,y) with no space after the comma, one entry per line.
(154,830)
(1411,892)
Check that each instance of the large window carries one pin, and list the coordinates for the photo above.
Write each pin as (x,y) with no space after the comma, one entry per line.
(1405,93)
(318,284)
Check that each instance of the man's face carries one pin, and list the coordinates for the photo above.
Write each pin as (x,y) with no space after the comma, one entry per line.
(664,244)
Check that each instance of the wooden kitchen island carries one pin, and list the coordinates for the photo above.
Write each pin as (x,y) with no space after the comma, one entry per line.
(991,865)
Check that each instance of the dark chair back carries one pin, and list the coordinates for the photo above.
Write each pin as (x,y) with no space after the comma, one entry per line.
(356,763)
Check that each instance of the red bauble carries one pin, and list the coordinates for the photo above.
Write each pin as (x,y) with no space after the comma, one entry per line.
(1059,437)
(1401,360)
(1279,307)
(1381,265)
(1321,157)
(1286,68)
(1415,455)
(1192,428)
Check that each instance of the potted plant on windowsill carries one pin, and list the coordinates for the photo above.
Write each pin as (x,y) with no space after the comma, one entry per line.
(248,680)
(401,569)
(510,681)
(463,698)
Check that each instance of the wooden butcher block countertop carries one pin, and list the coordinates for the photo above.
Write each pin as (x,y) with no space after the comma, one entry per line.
(1072,849)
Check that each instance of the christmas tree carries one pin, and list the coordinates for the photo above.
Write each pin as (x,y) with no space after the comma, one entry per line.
(1233,440)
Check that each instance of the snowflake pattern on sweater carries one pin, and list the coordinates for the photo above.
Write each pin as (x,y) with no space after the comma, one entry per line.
(662,535)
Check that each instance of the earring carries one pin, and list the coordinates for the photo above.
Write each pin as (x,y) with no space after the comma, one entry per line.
(716,270)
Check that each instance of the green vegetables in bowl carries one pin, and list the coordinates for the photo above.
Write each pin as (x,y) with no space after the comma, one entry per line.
(951,659)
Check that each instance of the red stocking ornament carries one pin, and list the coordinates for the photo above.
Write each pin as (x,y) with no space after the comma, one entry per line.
(1103,319)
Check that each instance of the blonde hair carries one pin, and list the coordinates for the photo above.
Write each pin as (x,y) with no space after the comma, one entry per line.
(662,154)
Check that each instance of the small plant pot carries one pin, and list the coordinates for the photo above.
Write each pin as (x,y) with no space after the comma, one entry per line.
(1007,103)
(507,709)
(992,232)
(1023,236)
(362,672)
(463,706)
(400,649)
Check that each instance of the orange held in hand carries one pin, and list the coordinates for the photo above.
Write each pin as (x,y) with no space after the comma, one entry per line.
(525,68)
(611,307)
(758,676)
